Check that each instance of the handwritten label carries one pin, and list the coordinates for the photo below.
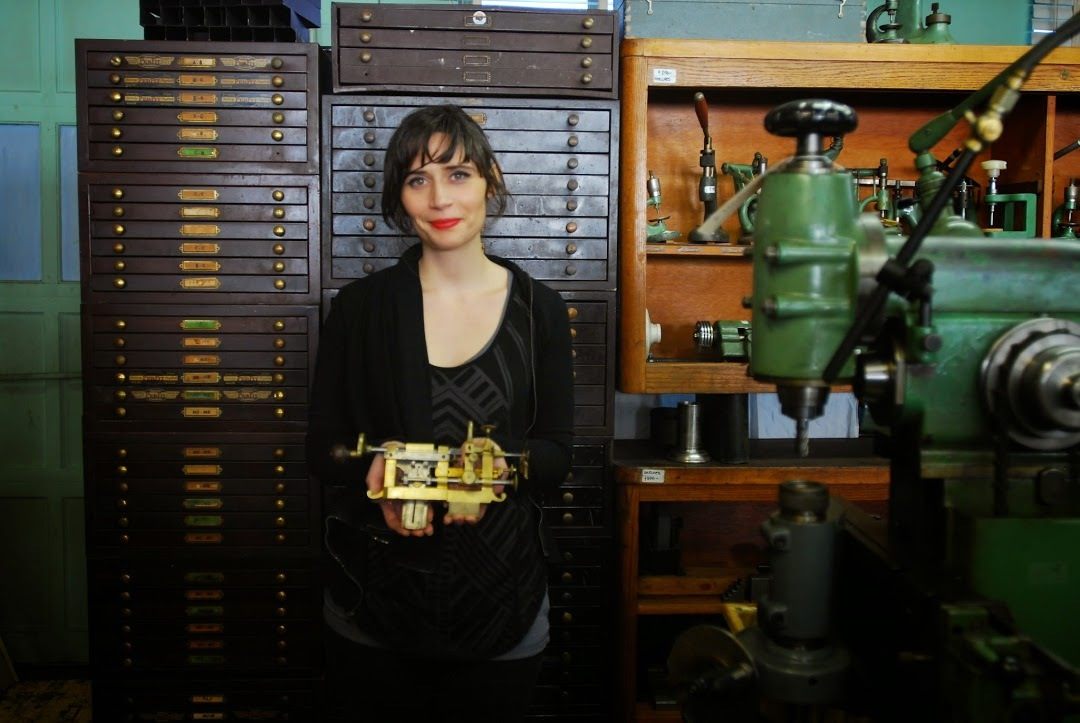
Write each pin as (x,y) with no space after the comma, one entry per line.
(664,76)
(652,476)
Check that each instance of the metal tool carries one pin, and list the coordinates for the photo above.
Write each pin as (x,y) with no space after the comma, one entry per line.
(741,175)
(420,473)
(905,23)
(1007,214)
(707,184)
(1065,218)
(655,229)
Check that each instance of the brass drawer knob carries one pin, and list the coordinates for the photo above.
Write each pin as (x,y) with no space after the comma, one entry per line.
(118,211)
(277,81)
(571,205)
(567,578)
(369,224)
(369,246)
(369,116)
(117,151)
(277,63)
(572,141)
(573,119)
(115,132)
(118,115)
(279,284)
(116,96)
(279,361)
(572,312)
(279,343)
(366,16)
(586,62)
(278,117)
(119,283)
(120,266)
(277,135)
(279,469)
(369,267)
(571,248)
(279,266)
(568,498)
(116,61)
(119,229)
(279,325)
(279,488)
(278,395)
(572,184)
(571,269)
(118,193)
(279,230)
(281,577)
(571,227)
(278,195)
(279,249)
(365,37)
(586,43)
(369,159)
(365,57)
(120,395)
(277,99)
(121,453)
(573,333)
(278,212)
(568,518)
(369,137)
(119,248)
(586,78)
(587,23)
(115,78)
(567,617)
(279,504)
(279,412)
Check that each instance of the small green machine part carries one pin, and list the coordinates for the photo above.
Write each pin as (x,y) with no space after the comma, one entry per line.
(1008,215)
(656,232)
(1066,219)
(904,23)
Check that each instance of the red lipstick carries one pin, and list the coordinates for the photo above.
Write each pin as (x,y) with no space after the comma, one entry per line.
(444,223)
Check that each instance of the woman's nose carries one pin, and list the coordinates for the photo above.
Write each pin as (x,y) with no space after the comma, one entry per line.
(440,194)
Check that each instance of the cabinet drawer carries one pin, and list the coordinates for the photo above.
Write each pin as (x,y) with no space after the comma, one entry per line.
(181,539)
(491,51)
(144,106)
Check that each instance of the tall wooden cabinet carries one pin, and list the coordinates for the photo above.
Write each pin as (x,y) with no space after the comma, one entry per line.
(894,90)
(199,200)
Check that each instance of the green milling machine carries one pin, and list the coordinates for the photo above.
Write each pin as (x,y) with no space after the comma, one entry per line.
(964,605)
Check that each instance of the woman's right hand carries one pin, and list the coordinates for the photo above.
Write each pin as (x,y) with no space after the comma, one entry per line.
(391,509)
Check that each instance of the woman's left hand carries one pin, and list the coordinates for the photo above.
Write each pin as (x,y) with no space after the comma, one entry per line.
(501,468)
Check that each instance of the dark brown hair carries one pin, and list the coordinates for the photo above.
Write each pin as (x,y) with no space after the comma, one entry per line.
(410,141)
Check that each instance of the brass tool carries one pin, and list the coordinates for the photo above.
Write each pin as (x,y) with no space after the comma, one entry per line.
(420,473)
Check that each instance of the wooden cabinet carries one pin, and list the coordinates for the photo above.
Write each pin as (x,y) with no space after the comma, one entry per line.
(893,88)
(726,504)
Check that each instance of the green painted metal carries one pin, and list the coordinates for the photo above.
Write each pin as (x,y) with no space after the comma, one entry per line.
(805,275)
(1035,565)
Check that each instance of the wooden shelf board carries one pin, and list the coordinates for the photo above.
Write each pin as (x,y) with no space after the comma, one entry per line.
(690,377)
(645,713)
(680,605)
(702,582)
(696,250)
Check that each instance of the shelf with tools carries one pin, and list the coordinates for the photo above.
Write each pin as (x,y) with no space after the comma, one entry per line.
(894,89)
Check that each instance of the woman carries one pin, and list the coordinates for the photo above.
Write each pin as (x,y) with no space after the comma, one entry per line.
(448,620)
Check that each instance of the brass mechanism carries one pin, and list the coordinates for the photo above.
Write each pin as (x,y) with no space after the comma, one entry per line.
(420,473)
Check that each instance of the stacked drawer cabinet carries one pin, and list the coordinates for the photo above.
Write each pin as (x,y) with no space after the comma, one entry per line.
(199,219)
(559,158)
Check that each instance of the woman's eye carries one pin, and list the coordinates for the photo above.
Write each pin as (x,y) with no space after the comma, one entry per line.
(460,175)
(414,181)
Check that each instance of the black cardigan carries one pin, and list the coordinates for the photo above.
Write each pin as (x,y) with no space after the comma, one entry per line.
(372,375)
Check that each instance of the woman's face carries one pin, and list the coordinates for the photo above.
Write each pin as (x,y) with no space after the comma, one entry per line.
(447,202)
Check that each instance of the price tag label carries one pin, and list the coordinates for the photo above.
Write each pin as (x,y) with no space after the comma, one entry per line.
(664,76)
(652,476)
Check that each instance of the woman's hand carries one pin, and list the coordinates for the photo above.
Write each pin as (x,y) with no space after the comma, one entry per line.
(391,509)
(501,469)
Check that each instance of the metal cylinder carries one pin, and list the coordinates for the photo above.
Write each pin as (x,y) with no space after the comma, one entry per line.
(688,448)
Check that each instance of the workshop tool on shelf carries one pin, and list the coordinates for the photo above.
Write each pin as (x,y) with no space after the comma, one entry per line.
(741,175)
(904,23)
(420,473)
(1008,215)
(707,183)
(1065,218)
(730,340)
(1066,150)
(656,232)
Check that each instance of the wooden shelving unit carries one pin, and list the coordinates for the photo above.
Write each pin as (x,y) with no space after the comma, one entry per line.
(893,88)
(748,491)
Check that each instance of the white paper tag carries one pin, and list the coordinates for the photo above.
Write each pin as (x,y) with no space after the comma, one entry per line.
(665,76)
(652,476)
